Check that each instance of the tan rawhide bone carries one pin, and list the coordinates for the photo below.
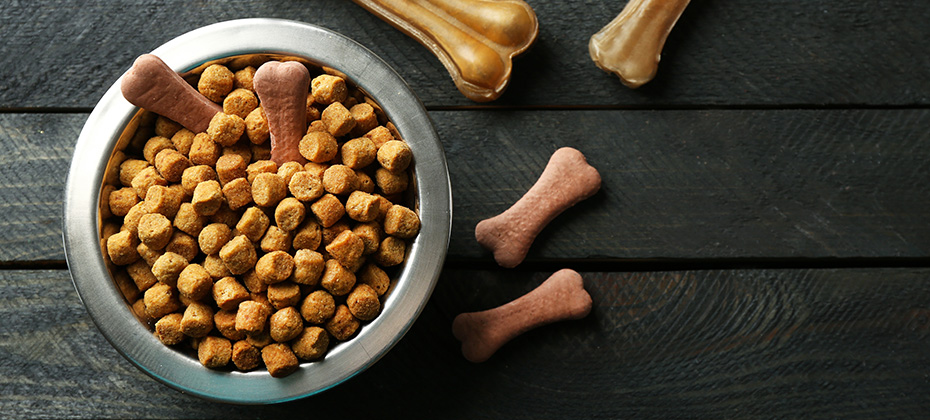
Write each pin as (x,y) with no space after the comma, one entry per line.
(475,40)
(567,179)
(560,297)
(282,88)
(631,45)
(151,85)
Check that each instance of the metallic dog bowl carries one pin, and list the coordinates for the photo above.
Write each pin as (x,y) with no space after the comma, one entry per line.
(109,128)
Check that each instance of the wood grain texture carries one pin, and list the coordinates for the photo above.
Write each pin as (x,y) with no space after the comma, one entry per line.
(57,53)
(685,185)
(684,344)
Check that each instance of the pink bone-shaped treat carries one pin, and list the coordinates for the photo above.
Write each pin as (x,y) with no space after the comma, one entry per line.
(282,88)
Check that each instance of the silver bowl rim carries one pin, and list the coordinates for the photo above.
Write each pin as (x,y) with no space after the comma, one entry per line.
(414,284)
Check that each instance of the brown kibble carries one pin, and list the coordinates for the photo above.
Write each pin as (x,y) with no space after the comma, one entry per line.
(197,321)
(229,293)
(379,136)
(283,294)
(337,119)
(279,359)
(204,151)
(122,200)
(168,329)
(183,139)
(194,175)
(318,146)
(155,145)
(311,344)
(308,236)
(370,234)
(239,255)
(145,179)
(363,302)
(391,182)
(365,118)
(163,200)
(208,197)
(131,220)
(375,277)
(171,164)
(246,356)
(330,233)
(358,153)
(148,255)
(276,239)
(225,129)
(238,193)
(362,207)
(227,216)
(275,267)
(346,248)
(365,183)
(215,82)
(337,279)
(125,285)
(188,221)
(141,275)
(214,352)
(253,282)
(259,340)
(342,325)
(327,89)
(129,169)
(155,230)
(225,322)
(390,252)
(243,78)
(213,237)
(289,214)
(318,307)
(256,127)
(168,267)
(285,324)
(230,167)
(183,245)
(260,167)
(339,180)
(253,224)
(251,317)
(395,156)
(268,189)
(160,300)
(327,210)
(308,267)
(288,169)
(165,127)
(316,125)
(240,102)
(401,222)
(194,282)
(304,186)
(216,267)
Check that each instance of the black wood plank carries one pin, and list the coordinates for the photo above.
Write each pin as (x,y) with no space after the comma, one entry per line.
(682,344)
(58,53)
(679,185)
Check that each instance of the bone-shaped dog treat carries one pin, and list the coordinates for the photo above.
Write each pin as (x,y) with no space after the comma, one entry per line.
(475,40)
(560,297)
(567,179)
(631,45)
(282,88)
(150,84)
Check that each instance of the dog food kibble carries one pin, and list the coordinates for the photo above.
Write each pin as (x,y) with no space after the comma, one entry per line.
(249,258)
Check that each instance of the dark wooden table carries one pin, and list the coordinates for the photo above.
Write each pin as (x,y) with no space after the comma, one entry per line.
(760,246)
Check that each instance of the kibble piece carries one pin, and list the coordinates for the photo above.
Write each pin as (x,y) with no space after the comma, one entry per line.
(145,179)
(260,167)
(171,164)
(337,119)
(243,78)
(168,329)
(138,310)
(362,207)
(251,317)
(229,293)
(365,183)
(256,126)
(311,344)
(213,237)
(240,102)
(153,146)
(160,300)
(246,356)
(395,156)
(239,255)
(164,200)
(342,325)
(318,146)
(283,294)
(274,267)
(318,307)
(385,205)
(225,129)
(326,89)
(215,82)
(214,352)
(121,248)
(379,136)
(370,234)
(165,127)
(363,302)
(229,167)
(401,222)
(183,139)
(254,283)
(253,224)
(122,200)
(289,214)
(208,197)
(168,267)
(375,277)
(308,236)
(288,169)
(126,285)
(141,275)
(204,151)
(308,267)
(346,248)
(316,169)
(340,180)
(238,193)
(225,322)
(268,189)
(365,118)
(148,255)
(131,220)
(304,186)
(337,279)
(313,112)
(197,320)
(279,359)
(216,267)
(228,216)
(129,169)
(194,282)
(276,239)
(188,221)
(260,339)
(330,233)
(327,210)
(285,324)
(391,182)
(358,153)
(391,251)
(183,245)
(195,175)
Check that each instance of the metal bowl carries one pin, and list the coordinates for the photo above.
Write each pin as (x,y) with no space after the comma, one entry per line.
(111,124)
